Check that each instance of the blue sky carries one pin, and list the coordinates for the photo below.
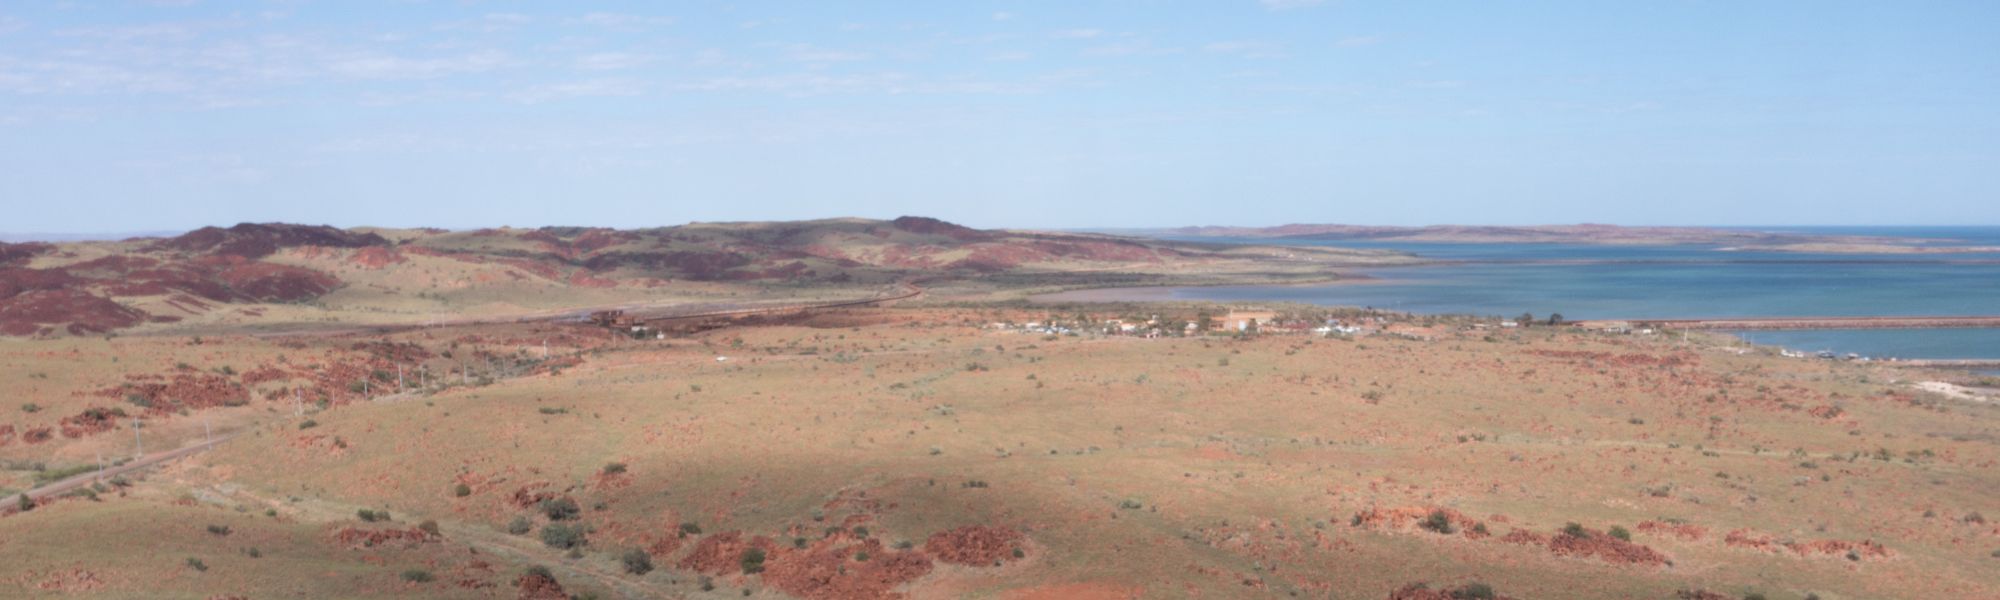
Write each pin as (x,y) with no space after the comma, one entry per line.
(170,114)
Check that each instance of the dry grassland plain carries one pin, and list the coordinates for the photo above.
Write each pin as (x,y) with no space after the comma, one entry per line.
(914,452)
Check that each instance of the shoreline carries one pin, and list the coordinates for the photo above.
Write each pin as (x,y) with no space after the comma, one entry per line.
(1164,293)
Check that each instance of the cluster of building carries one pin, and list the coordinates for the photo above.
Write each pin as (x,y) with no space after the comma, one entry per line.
(1232,323)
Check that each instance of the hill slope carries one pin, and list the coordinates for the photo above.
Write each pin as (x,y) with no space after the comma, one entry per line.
(279,273)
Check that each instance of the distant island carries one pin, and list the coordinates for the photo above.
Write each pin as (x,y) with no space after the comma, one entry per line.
(1587,233)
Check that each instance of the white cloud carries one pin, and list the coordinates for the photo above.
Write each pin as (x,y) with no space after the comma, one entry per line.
(1246,48)
(381,66)
(11,24)
(1003,16)
(490,23)
(1078,34)
(577,89)
(1289,4)
(1358,41)
(612,61)
(621,21)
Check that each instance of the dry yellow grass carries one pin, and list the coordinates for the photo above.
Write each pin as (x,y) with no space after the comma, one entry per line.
(1207,467)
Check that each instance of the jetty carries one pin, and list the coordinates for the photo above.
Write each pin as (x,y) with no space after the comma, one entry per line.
(1782,323)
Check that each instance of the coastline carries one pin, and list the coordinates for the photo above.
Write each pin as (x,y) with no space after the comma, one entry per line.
(1164,293)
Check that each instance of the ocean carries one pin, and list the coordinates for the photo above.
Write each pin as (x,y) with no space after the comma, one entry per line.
(1587,281)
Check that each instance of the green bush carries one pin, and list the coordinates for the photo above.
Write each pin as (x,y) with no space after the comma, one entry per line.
(372,516)
(520,526)
(637,562)
(565,536)
(1620,533)
(418,576)
(196,564)
(690,528)
(560,509)
(308,424)
(1438,522)
(1473,591)
(614,468)
(219,529)
(429,526)
(1575,530)
(461,490)
(753,561)
(31,407)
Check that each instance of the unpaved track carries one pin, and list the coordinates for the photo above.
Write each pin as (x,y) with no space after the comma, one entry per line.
(13,502)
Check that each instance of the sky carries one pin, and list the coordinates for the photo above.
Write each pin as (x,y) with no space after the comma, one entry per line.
(133,115)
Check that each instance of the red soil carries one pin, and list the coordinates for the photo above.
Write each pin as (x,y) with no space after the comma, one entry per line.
(6,435)
(829,570)
(1422,591)
(1409,516)
(536,586)
(1746,538)
(376,257)
(91,421)
(352,537)
(1594,544)
(77,312)
(1685,531)
(722,553)
(20,253)
(974,545)
(257,240)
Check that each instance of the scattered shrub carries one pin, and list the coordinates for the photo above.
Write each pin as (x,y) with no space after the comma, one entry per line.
(560,535)
(1575,530)
(429,526)
(614,468)
(219,529)
(418,576)
(560,509)
(461,490)
(1473,591)
(31,407)
(637,562)
(308,424)
(372,516)
(1438,522)
(520,526)
(1620,533)
(690,528)
(196,564)
(753,561)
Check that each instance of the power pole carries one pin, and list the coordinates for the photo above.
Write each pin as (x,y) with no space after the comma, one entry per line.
(207,432)
(545,348)
(298,406)
(137,443)
(399,378)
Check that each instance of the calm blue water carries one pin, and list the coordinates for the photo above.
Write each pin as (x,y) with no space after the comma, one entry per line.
(1689,281)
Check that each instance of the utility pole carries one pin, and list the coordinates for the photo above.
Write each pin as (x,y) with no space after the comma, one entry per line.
(545,348)
(100,466)
(298,406)
(399,378)
(207,432)
(137,443)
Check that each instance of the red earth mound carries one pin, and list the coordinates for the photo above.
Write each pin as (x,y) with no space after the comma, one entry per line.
(974,545)
(1685,531)
(1423,591)
(79,313)
(722,553)
(1410,516)
(91,421)
(352,537)
(257,240)
(834,569)
(1591,544)
(539,585)
(20,253)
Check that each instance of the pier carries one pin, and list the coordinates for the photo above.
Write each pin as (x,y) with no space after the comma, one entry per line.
(1782,323)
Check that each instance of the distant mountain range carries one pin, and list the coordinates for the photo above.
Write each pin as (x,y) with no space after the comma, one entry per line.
(1586,233)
